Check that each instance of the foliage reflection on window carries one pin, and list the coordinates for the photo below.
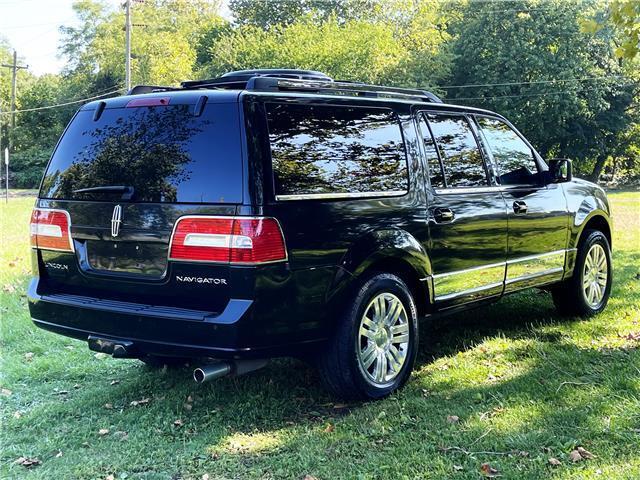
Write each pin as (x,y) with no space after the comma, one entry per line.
(461,158)
(333,149)
(435,169)
(165,153)
(516,164)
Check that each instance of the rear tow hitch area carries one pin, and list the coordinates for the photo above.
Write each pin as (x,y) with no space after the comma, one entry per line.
(223,368)
(117,348)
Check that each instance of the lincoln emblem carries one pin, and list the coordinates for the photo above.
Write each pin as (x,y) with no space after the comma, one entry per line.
(116,220)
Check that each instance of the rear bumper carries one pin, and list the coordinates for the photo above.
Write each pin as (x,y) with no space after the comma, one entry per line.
(162,331)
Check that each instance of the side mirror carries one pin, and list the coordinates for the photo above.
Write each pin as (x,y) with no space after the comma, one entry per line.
(560,170)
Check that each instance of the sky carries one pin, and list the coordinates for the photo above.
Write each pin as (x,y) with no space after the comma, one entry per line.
(32,28)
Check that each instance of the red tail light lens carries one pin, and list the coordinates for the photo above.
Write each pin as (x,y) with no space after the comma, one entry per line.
(202,239)
(257,240)
(249,240)
(148,102)
(51,230)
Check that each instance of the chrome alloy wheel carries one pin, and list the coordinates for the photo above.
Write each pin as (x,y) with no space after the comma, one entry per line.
(383,339)
(594,275)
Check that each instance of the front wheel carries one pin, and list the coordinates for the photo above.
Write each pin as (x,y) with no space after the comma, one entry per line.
(587,291)
(374,346)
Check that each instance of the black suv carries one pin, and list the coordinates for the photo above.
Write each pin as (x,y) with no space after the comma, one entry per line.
(280,213)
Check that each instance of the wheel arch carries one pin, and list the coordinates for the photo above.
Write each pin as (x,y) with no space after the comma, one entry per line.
(418,287)
(393,251)
(596,220)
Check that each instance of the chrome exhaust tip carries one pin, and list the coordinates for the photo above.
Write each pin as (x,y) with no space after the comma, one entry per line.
(211,372)
(222,368)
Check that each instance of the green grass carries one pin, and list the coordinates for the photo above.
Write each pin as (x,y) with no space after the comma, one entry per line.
(525,384)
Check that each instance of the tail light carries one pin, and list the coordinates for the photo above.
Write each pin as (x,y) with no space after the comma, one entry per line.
(239,240)
(51,230)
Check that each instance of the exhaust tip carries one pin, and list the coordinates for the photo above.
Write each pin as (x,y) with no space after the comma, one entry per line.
(211,371)
(199,375)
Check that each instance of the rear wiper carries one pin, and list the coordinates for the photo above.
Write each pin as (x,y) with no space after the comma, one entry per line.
(126,190)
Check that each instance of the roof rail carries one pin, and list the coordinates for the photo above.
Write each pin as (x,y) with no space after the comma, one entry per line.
(340,88)
(294,80)
(239,78)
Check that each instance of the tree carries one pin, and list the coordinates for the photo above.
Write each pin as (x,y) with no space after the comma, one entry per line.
(166,38)
(564,88)
(624,15)
(269,13)
(404,45)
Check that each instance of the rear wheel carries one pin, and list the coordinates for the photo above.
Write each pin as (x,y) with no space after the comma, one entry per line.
(374,347)
(587,291)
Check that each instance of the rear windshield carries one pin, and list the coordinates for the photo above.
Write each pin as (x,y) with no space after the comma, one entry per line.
(160,154)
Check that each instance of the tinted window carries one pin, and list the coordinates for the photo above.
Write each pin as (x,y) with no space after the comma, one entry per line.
(435,168)
(165,153)
(333,149)
(461,158)
(514,158)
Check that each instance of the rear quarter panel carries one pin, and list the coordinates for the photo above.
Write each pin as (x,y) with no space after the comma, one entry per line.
(332,241)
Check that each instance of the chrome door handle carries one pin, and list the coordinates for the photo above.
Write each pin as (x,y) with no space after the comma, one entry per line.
(443,215)
(519,207)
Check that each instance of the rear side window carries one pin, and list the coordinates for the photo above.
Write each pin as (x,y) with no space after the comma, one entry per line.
(461,158)
(165,153)
(336,150)
(515,160)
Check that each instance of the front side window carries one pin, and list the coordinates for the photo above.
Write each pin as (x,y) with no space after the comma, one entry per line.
(336,150)
(514,158)
(461,158)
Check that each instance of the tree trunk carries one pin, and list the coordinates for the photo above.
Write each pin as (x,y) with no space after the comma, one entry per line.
(597,168)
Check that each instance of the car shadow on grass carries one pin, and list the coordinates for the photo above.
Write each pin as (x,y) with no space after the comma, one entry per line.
(565,394)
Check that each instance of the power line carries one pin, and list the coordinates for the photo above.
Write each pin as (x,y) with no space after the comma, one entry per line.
(64,104)
(559,92)
(20,27)
(533,82)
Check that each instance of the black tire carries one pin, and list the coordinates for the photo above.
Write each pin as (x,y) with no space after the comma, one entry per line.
(569,297)
(156,361)
(341,368)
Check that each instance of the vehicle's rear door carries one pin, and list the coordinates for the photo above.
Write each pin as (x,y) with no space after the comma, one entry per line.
(467,217)
(537,212)
(125,174)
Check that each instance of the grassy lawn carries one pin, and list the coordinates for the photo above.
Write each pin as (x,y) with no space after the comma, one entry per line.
(512,385)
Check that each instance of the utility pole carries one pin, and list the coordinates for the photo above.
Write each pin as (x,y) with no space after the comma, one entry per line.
(14,80)
(127,36)
(6,167)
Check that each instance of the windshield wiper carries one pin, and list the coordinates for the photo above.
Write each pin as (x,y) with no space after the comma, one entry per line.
(126,190)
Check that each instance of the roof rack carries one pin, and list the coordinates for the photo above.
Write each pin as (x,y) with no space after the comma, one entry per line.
(345,88)
(273,80)
(140,89)
(241,77)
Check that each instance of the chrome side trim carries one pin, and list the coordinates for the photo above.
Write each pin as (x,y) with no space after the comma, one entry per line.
(485,277)
(468,190)
(469,280)
(330,196)
(535,275)
(531,266)
(469,292)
